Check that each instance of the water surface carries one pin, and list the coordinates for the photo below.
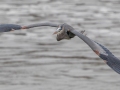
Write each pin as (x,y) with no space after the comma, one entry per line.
(33,59)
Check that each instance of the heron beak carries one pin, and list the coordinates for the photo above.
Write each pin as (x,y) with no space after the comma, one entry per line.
(55,32)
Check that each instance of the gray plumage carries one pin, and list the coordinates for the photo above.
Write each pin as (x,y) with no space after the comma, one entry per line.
(41,24)
(99,49)
(9,27)
(111,60)
(68,32)
(64,32)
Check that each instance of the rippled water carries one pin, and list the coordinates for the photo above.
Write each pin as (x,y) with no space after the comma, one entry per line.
(33,59)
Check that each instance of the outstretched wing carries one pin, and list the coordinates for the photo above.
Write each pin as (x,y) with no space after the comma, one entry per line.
(110,59)
(9,27)
(101,51)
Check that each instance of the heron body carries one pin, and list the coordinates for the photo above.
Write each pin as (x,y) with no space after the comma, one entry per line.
(63,32)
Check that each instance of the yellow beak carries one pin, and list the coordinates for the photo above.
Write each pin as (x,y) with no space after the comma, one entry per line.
(55,32)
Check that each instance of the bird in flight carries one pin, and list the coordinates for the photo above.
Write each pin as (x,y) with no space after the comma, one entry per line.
(66,31)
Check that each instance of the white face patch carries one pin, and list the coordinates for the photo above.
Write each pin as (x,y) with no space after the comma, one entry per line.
(59,28)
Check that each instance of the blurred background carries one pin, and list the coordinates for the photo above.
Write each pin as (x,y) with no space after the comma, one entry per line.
(33,59)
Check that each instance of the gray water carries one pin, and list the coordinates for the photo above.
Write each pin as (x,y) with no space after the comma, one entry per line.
(33,59)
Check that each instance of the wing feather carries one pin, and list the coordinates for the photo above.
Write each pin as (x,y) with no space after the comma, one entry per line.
(9,27)
(110,59)
(105,54)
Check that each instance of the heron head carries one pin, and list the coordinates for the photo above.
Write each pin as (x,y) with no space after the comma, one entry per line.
(63,32)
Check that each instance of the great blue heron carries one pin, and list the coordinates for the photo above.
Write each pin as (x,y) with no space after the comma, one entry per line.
(65,31)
